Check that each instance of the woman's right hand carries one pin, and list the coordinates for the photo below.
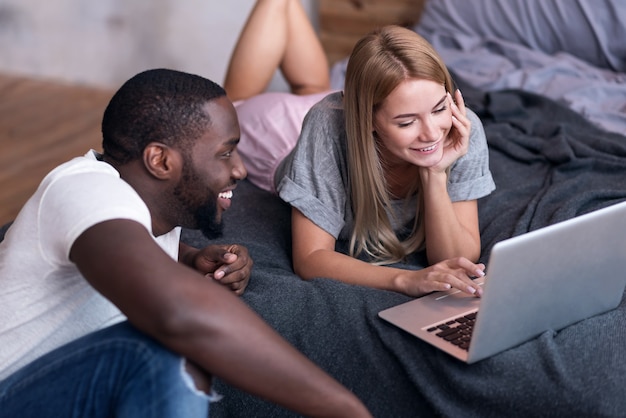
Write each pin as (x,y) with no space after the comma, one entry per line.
(454,273)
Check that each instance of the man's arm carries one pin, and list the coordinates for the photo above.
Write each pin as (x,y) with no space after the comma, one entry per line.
(203,322)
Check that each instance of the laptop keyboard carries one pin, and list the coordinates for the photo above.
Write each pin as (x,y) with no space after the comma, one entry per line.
(457,331)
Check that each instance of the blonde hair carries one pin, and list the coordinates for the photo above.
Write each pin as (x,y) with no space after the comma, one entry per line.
(379,62)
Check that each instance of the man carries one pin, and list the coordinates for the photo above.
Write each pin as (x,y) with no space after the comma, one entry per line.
(99,243)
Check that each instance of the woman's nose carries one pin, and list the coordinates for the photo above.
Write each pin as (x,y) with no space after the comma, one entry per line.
(429,131)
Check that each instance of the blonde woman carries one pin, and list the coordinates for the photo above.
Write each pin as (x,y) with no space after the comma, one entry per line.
(393,165)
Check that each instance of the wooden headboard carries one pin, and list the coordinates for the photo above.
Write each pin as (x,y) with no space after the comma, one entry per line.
(343,22)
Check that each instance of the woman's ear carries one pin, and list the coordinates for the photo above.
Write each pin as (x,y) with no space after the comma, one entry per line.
(161,161)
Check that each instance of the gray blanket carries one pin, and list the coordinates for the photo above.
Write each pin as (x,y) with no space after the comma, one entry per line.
(549,164)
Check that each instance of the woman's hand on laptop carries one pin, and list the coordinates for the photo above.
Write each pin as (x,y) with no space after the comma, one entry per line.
(454,273)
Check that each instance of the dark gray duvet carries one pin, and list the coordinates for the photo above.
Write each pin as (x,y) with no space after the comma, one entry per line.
(549,164)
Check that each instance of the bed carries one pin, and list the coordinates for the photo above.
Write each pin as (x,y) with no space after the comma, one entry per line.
(553,104)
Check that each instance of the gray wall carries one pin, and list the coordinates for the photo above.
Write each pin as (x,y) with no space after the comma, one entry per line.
(104,42)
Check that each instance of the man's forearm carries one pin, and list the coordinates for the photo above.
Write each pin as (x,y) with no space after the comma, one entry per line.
(186,254)
(243,350)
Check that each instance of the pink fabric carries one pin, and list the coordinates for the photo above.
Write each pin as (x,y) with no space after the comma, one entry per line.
(270,127)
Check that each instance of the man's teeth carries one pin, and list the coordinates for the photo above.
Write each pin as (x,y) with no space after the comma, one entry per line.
(226,195)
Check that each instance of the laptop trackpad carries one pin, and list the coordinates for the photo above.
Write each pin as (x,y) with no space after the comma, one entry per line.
(433,308)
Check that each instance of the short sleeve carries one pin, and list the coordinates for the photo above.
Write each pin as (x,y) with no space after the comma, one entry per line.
(80,200)
(313,178)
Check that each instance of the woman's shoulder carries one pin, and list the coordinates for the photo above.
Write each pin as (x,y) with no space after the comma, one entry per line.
(324,126)
(331,101)
(477,131)
(472,116)
(328,109)
(334,98)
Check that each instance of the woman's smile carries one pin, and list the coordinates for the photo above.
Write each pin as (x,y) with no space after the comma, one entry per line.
(428,150)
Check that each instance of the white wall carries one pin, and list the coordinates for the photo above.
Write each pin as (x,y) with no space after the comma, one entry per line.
(104,42)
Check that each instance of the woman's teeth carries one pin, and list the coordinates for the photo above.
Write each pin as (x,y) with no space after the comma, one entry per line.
(432,147)
(226,195)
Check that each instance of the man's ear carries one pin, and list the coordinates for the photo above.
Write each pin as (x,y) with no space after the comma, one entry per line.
(161,161)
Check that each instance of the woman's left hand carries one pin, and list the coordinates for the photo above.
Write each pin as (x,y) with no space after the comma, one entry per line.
(457,142)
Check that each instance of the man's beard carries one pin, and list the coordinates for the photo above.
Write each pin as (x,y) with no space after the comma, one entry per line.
(206,222)
(203,216)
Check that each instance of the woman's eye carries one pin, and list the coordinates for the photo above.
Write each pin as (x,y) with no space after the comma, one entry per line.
(441,109)
(405,124)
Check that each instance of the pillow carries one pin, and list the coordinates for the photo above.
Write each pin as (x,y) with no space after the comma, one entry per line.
(592,30)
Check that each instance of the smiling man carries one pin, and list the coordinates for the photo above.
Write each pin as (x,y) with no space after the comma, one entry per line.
(105,312)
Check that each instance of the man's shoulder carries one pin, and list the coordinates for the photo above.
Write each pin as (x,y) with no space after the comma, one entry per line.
(83,174)
(88,163)
(90,190)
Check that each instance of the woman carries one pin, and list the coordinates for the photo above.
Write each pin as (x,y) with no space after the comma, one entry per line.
(393,165)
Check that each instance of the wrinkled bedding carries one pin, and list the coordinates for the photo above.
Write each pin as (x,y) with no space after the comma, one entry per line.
(549,164)
(571,51)
(492,64)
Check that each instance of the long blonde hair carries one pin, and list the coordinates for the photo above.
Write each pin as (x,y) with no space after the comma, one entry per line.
(379,62)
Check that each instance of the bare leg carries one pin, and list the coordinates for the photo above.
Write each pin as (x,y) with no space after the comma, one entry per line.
(277,34)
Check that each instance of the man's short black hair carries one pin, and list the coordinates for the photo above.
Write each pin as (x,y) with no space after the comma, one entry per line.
(159,105)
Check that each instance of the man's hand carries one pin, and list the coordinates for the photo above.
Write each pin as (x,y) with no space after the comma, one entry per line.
(229,265)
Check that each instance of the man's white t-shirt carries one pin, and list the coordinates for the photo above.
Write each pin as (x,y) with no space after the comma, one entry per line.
(44,300)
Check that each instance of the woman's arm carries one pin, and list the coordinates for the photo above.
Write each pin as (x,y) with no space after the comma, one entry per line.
(314,255)
(451,229)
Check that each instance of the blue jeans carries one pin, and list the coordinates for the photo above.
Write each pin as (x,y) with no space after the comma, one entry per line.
(117,371)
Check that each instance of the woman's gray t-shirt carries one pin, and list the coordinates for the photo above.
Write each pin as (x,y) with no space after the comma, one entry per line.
(313,178)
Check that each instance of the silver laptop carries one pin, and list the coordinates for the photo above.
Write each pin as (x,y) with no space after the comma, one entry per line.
(543,280)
